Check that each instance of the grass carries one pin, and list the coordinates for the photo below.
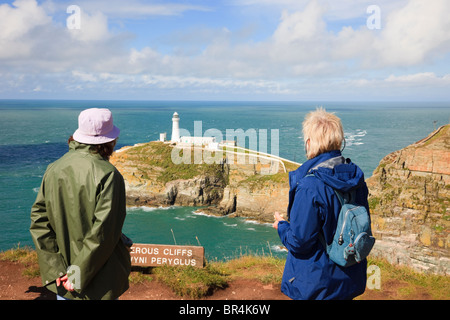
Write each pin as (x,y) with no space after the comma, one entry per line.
(411,284)
(190,281)
(25,256)
(266,269)
(156,158)
(196,283)
(397,282)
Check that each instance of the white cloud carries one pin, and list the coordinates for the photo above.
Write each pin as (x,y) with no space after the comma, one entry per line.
(423,79)
(18,19)
(85,77)
(301,26)
(93,27)
(17,22)
(415,33)
(302,54)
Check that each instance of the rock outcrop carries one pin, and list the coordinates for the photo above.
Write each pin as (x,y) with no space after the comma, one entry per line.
(152,179)
(240,187)
(256,196)
(409,195)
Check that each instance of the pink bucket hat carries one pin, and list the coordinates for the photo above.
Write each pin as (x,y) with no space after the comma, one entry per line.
(95,126)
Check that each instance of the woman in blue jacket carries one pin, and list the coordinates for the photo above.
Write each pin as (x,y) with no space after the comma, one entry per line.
(313,210)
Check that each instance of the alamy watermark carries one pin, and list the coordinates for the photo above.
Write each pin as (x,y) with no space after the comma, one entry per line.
(73,22)
(214,147)
(373,277)
(374,20)
(74,276)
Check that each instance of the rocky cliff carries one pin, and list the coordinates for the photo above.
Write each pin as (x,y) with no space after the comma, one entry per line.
(240,188)
(410,204)
(152,179)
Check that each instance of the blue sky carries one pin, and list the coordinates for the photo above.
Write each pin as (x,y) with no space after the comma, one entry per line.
(226,50)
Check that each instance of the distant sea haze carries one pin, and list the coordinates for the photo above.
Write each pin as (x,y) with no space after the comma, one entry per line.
(34,134)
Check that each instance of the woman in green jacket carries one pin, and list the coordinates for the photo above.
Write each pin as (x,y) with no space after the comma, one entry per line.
(77,218)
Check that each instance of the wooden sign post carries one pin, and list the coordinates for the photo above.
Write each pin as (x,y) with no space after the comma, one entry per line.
(154,255)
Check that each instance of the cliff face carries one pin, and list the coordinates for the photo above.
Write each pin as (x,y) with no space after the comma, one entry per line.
(409,194)
(252,195)
(152,179)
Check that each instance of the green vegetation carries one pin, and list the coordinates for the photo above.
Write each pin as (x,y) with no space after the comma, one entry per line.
(280,177)
(266,269)
(373,202)
(190,281)
(155,159)
(260,179)
(438,135)
(410,284)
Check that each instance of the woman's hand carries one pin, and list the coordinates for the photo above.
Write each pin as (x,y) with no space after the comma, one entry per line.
(65,282)
(277,218)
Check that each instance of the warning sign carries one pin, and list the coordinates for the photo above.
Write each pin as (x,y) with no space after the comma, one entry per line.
(153,255)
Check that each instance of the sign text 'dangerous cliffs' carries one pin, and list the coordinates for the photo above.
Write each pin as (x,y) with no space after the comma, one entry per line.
(153,255)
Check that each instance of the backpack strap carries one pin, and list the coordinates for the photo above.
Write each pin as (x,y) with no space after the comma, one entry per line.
(340,196)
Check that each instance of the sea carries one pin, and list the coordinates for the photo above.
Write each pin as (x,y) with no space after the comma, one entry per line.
(34,133)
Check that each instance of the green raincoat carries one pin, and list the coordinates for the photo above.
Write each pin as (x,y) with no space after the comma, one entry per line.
(76,226)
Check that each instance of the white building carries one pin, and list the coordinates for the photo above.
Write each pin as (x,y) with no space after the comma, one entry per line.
(197,141)
(175,128)
(209,142)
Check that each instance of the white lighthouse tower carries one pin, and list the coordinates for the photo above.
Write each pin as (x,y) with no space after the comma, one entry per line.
(175,128)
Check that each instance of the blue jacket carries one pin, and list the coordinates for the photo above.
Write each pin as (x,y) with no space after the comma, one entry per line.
(313,209)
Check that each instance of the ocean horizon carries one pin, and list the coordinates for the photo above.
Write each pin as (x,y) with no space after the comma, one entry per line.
(34,133)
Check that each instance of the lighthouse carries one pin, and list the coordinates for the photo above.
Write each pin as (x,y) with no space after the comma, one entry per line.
(175,128)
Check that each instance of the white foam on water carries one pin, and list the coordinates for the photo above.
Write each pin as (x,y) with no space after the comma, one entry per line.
(148,209)
(201,213)
(355,138)
(230,224)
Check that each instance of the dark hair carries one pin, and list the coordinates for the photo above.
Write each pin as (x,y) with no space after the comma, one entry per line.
(105,149)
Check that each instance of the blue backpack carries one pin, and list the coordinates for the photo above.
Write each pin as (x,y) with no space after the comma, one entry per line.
(353,238)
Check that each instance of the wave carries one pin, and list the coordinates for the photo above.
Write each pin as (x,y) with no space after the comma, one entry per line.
(251,221)
(148,209)
(355,138)
(257,222)
(230,224)
(201,213)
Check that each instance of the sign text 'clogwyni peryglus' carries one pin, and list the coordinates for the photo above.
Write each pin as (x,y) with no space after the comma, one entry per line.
(153,255)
